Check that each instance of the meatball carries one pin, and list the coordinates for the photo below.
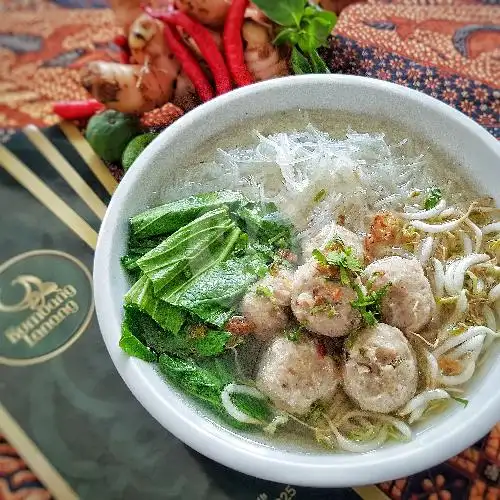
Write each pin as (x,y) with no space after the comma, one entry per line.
(266,304)
(381,371)
(293,375)
(409,303)
(322,305)
(349,239)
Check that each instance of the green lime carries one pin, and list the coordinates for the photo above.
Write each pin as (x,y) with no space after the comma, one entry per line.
(109,133)
(135,147)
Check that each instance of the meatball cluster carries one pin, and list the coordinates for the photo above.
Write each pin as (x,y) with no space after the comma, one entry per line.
(380,371)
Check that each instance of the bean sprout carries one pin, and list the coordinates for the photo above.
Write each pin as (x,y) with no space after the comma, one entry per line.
(452,342)
(425,214)
(489,317)
(494,293)
(459,379)
(478,235)
(422,399)
(432,365)
(355,447)
(491,228)
(457,273)
(426,250)
(472,346)
(438,278)
(232,409)
(449,276)
(467,243)
(462,303)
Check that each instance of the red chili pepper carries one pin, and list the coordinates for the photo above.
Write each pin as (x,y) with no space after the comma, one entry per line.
(122,42)
(203,40)
(77,110)
(233,43)
(189,63)
(321,349)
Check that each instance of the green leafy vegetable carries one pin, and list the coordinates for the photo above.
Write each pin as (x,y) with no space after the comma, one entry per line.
(369,304)
(167,219)
(284,12)
(305,27)
(264,291)
(294,335)
(434,197)
(300,64)
(212,295)
(190,251)
(320,196)
(206,381)
(166,315)
(462,401)
(342,259)
(131,345)
(266,225)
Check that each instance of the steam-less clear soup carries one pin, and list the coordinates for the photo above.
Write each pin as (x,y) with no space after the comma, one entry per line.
(435,217)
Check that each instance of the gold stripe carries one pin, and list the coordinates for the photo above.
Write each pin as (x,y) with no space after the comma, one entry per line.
(371,493)
(47,197)
(65,170)
(33,457)
(89,156)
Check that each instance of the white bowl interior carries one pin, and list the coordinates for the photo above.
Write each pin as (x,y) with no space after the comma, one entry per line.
(466,142)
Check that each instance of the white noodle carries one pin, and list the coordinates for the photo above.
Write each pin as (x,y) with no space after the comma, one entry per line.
(491,228)
(401,426)
(417,413)
(459,379)
(425,214)
(438,278)
(426,250)
(437,228)
(232,409)
(494,293)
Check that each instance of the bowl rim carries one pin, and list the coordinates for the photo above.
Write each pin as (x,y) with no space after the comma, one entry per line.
(217,442)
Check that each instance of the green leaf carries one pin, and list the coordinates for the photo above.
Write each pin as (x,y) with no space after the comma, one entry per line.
(295,335)
(166,315)
(253,407)
(132,346)
(205,380)
(213,294)
(319,66)
(462,401)
(196,381)
(286,35)
(320,196)
(190,251)
(212,343)
(434,197)
(342,259)
(369,304)
(300,64)
(284,12)
(167,219)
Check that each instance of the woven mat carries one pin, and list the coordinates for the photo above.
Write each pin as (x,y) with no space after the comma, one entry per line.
(448,49)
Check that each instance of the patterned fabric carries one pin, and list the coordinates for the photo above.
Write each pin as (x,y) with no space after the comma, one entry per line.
(17,482)
(451,53)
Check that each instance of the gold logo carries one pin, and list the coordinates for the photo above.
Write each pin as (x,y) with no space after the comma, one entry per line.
(39,316)
(35,291)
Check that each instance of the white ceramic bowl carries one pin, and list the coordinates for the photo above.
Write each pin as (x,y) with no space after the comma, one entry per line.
(463,139)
